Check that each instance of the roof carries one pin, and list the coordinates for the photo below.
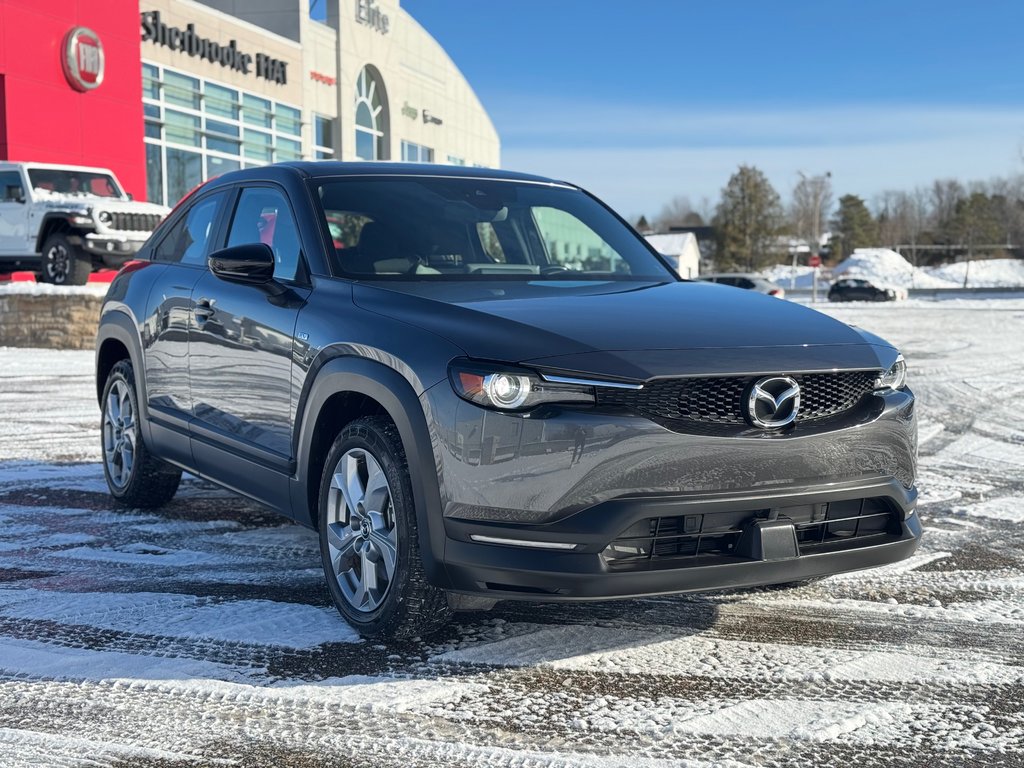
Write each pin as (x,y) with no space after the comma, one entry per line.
(337,168)
(56,166)
(673,243)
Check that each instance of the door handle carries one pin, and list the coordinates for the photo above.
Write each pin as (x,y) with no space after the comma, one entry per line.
(203,310)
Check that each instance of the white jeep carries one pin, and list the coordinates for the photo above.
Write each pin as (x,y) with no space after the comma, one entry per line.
(62,221)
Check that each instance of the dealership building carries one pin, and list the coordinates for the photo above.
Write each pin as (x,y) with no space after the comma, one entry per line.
(168,93)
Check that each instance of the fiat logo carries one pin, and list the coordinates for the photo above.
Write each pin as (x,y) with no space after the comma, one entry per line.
(83,59)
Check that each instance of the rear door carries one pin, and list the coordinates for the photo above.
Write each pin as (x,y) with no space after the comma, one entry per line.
(240,345)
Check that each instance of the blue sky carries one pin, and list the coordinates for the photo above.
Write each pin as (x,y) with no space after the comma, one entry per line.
(643,101)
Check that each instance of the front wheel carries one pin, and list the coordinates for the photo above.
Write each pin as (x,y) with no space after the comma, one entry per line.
(134,476)
(368,536)
(64,263)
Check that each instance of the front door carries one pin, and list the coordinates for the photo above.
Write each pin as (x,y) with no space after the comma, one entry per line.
(240,343)
(14,207)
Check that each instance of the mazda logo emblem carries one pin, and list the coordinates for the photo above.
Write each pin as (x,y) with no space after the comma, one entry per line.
(773,402)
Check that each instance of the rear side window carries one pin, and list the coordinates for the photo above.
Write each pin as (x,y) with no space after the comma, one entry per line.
(264,216)
(188,242)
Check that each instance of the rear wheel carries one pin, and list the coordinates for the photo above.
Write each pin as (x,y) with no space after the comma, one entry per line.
(64,263)
(134,476)
(368,536)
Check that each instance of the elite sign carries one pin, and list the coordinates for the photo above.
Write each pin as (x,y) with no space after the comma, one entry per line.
(83,59)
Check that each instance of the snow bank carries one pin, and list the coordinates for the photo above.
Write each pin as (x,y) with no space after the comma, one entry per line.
(991,273)
(27,287)
(886,268)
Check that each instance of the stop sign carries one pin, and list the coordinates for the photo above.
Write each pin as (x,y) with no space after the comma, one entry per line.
(814,260)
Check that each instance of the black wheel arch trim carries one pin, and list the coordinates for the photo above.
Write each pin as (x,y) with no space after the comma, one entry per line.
(358,375)
(117,324)
(57,221)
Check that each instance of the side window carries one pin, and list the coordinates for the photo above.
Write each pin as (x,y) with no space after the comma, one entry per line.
(188,242)
(263,216)
(743,282)
(10,186)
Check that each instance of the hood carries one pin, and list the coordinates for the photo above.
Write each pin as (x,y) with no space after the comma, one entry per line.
(625,329)
(114,204)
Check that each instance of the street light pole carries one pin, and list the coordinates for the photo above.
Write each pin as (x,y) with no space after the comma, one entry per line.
(818,188)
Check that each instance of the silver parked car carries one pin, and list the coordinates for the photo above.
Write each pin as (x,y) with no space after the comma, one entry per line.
(746,280)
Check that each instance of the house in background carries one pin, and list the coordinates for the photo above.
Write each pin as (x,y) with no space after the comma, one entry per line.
(680,249)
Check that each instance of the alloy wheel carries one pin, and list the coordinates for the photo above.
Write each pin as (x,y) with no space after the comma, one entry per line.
(119,434)
(57,263)
(361,532)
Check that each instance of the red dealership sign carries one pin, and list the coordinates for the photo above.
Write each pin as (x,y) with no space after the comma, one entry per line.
(83,59)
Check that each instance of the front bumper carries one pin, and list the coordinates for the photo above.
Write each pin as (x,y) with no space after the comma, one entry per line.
(755,557)
(112,247)
(586,479)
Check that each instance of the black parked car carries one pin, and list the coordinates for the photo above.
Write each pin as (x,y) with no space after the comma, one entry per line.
(479,385)
(861,289)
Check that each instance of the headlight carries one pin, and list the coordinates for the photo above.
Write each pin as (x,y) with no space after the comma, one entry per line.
(895,377)
(104,217)
(508,388)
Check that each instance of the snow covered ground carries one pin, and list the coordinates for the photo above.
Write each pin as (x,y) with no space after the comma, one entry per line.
(201,634)
(884,267)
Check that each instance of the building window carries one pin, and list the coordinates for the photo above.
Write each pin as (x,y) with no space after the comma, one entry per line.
(453,160)
(287,120)
(196,129)
(323,137)
(372,141)
(416,153)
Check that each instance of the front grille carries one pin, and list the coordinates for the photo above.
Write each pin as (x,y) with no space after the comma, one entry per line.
(720,399)
(134,222)
(718,538)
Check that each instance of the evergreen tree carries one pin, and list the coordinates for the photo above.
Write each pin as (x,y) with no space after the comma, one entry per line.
(748,218)
(976,222)
(855,226)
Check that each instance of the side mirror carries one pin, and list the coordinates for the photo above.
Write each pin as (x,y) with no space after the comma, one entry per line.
(14,194)
(249,264)
(131,196)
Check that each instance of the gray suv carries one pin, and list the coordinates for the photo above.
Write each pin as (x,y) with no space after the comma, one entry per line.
(479,385)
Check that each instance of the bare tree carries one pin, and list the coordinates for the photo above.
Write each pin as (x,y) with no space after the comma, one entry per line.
(678,212)
(812,202)
(946,194)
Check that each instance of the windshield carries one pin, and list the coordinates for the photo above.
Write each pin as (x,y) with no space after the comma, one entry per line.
(61,181)
(461,229)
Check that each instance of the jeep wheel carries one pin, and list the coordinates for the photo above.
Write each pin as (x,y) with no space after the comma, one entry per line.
(134,476)
(368,536)
(64,263)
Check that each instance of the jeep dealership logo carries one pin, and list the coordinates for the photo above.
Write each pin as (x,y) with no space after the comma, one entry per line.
(83,59)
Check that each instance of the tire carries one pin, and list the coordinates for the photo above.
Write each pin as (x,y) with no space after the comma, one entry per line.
(135,477)
(366,468)
(62,263)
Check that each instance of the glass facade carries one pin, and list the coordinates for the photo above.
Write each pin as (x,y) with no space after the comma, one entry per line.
(196,128)
(416,153)
(323,137)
